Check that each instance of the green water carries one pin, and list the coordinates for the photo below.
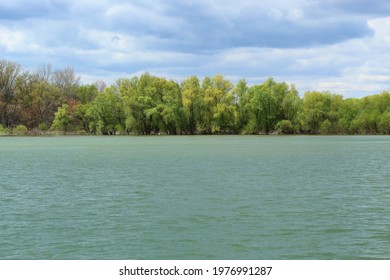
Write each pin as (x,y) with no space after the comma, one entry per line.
(200,197)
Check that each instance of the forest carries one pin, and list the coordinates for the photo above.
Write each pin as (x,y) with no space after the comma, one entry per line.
(51,101)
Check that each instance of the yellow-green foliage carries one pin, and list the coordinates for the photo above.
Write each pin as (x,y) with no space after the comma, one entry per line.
(152,105)
(4,131)
(20,130)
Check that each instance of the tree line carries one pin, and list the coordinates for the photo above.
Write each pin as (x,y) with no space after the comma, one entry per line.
(48,100)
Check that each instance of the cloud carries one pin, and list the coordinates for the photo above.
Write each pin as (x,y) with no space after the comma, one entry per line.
(13,40)
(361,7)
(19,9)
(325,45)
(196,26)
(216,25)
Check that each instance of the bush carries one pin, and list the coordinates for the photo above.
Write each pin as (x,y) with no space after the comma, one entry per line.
(384,123)
(43,126)
(285,127)
(120,129)
(20,130)
(326,127)
(4,131)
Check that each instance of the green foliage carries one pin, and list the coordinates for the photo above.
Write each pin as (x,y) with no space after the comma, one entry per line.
(319,112)
(86,94)
(326,127)
(366,122)
(348,111)
(20,130)
(152,105)
(43,126)
(190,90)
(217,108)
(62,119)
(106,113)
(240,93)
(262,106)
(384,123)
(5,131)
(285,127)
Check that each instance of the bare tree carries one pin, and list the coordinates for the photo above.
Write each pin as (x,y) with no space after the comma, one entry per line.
(9,72)
(44,73)
(66,81)
(100,85)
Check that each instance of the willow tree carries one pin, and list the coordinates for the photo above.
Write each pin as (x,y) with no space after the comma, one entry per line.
(217,110)
(106,112)
(191,100)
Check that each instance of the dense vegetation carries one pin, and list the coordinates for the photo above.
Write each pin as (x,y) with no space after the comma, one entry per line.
(49,100)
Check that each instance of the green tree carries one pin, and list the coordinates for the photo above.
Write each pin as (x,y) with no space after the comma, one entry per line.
(85,93)
(191,100)
(242,101)
(46,99)
(217,106)
(150,104)
(81,114)
(384,122)
(134,115)
(106,112)
(348,111)
(285,127)
(143,100)
(366,122)
(264,108)
(62,119)
(290,106)
(317,108)
(312,112)
(172,113)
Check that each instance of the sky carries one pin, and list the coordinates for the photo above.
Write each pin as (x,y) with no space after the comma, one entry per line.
(341,46)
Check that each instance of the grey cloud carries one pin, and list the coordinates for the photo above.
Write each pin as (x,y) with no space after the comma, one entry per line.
(198,28)
(19,10)
(245,38)
(360,7)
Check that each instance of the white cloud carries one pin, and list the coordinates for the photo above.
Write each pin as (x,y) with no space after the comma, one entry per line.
(111,41)
(275,14)
(10,40)
(295,15)
(355,67)
(14,41)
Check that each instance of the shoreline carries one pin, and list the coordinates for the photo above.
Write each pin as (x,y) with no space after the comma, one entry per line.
(61,134)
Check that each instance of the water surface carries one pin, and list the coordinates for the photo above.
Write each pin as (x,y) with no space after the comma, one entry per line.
(195,197)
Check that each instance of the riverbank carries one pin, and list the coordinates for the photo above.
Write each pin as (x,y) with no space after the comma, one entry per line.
(36,132)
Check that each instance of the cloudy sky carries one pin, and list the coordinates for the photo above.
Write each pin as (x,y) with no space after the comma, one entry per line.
(338,45)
